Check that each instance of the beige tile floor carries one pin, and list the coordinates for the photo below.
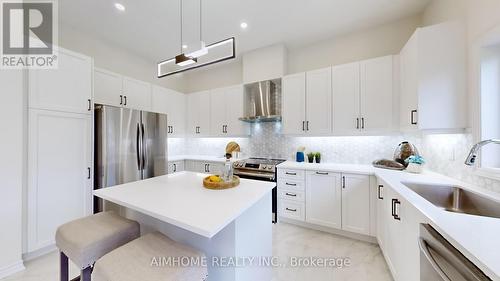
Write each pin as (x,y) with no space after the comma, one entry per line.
(367,262)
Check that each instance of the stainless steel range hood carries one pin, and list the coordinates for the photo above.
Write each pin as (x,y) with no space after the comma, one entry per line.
(263,101)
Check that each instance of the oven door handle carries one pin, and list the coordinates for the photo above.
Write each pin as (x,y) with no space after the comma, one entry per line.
(257,175)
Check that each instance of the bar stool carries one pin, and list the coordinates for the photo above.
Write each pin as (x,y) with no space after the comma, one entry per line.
(86,240)
(146,259)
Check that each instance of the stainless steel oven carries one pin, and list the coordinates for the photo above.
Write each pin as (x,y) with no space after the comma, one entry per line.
(440,261)
(262,169)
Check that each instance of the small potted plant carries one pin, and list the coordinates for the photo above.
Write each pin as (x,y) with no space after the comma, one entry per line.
(310,157)
(415,164)
(317,155)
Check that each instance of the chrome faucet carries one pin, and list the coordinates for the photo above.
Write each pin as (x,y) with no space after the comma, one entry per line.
(471,159)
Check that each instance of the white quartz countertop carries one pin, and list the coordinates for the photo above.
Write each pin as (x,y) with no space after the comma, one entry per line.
(208,158)
(181,200)
(478,238)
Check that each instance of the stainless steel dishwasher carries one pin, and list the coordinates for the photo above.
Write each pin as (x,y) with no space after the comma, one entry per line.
(440,261)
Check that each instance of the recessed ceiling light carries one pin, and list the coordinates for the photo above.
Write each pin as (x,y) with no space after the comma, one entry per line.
(244,25)
(120,7)
(184,46)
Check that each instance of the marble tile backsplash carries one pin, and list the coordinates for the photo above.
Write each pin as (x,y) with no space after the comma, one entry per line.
(445,154)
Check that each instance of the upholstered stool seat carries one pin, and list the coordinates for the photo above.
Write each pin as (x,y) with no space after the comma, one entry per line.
(146,259)
(86,240)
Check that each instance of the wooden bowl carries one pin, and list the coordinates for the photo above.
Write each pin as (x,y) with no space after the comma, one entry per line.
(221,185)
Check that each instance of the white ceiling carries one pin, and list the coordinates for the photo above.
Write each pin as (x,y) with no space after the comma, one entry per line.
(151,28)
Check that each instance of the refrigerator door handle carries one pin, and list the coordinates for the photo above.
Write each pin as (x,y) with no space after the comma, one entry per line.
(138,147)
(144,148)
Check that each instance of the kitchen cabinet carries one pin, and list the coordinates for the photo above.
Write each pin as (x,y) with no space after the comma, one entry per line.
(173,104)
(175,166)
(206,167)
(307,104)
(59,187)
(116,90)
(226,107)
(433,79)
(198,114)
(67,88)
(398,231)
(323,199)
(291,194)
(364,97)
(294,100)
(356,203)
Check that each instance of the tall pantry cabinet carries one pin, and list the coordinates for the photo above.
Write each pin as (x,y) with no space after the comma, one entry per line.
(59,187)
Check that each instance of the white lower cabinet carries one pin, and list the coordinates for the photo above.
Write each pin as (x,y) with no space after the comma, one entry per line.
(59,173)
(356,203)
(204,167)
(397,232)
(175,166)
(324,199)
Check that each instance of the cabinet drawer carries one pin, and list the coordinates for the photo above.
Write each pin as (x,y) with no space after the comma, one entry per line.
(291,174)
(290,184)
(293,195)
(291,209)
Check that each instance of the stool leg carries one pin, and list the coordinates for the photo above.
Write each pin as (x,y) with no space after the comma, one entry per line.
(86,273)
(63,267)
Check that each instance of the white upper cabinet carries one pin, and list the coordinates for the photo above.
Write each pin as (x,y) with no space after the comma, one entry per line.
(67,88)
(137,94)
(319,101)
(356,203)
(294,104)
(433,79)
(377,95)
(226,107)
(116,90)
(324,199)
(346,88)
(198,114)
(173,104)
(108,87)
(363,97)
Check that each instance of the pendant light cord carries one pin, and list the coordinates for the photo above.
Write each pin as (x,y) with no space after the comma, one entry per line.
(180,2)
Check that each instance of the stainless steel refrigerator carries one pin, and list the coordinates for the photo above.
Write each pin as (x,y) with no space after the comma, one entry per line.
(130,145)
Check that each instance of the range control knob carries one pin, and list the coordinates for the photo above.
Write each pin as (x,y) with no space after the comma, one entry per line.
(270,167)
(263,167)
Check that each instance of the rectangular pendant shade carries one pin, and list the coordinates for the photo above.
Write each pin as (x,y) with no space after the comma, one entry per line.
(215,52)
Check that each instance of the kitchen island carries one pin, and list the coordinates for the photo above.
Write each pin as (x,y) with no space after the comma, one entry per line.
(227,225)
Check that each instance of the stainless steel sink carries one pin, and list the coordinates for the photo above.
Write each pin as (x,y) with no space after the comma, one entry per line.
(457,200)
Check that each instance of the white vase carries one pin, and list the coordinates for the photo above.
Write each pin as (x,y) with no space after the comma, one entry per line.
(414,168)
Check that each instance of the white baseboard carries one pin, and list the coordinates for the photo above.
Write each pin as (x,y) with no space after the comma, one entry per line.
(11,269)
(40,252)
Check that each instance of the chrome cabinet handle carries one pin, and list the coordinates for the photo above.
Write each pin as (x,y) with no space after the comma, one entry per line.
(379,192)
(291,210)
(291,194)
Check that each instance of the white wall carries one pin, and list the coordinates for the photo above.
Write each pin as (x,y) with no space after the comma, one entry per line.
(11,171)
(378,41)
(116,59)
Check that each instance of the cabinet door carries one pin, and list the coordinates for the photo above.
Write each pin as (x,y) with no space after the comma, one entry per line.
(319,101)
(204,114)
(59,173)
(382,217)
(137,94)
(218,110)
(356,203)
(192,114)
(67,88)
(377,97)
(234,111)
(215,168)
(173,104)
(323,199)
(346,95)
(409,85)
(108,87)
(294,104)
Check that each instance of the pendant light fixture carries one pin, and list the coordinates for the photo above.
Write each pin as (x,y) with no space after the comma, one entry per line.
(206,55)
